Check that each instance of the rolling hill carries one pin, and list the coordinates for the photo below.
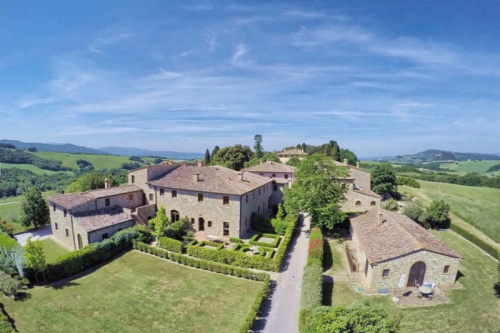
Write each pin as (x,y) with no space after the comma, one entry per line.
(128,151)
(53,147)
(435,155)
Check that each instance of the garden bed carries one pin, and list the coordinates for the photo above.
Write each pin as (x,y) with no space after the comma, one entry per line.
(266,240)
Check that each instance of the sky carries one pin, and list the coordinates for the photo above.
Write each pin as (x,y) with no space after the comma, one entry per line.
(379,77)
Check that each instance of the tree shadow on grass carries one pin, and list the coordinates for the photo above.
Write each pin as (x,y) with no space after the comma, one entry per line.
(328,286)
(496,287)
(327,256)
(22,296)
(9,318)
(459,275)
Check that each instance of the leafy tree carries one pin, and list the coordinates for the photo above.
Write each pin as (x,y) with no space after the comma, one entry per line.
(158,160)
(317,191)
(207,157)
(415,212)
(294,161)
(336,151)
(35,256)
(17,256)
(259,150)
(437,215)
(304,147)
(391,205)
(91,181)
(32,149)
(160,222)
(349,155)
(384,178)
(233,157)
(272,157)
(34,208)
(355,318)
(178,229)
(216,149)
(281,212)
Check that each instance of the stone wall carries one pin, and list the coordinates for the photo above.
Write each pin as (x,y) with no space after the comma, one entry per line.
(283,175)
(96,236)
(362,178)
(366,202)
(127,200)
(256,201)
(60,224)
(277,196)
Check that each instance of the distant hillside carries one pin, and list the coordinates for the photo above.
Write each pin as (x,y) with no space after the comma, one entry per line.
(53,147)
(434,155)
(128,151)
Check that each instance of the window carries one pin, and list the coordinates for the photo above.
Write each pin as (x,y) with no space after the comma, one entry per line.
(261,174)
(104,236)
(174,194)
(162,192)
(275,187)
(358,203)
(274,175)
(151,197)
(107,202)
(54,207)
(385,273)
(57,226)
(446,269)
(226,228)
(200,196)
(246,199)
(131,196)
(67,232)
(225,200)
(192,220)
(373,203)
(286,176)
(65,212)
(132,179)
(209,224)
(174,216)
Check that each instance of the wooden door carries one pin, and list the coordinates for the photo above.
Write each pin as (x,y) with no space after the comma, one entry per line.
(201,224)
(417,274)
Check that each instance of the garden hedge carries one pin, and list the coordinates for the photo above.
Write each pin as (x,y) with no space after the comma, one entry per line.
(261,296)
(171,244)
(254,241)
(235,240)
(218,246)
(202,264)
(312,287)
(280,254)
(6,241)
(493,251)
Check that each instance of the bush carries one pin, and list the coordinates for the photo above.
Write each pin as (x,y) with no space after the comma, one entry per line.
(9,286)
(7,242)
(178,229)
(413,211)
(280,254)
(235,240)
(407,181)
(279,226)
(145,235)
(391,205)
(261,296)
(315,233)
(218,246)
(437,215)
(492,250)
(95,253)
(254,240)
(315,252)
(311,293)
(235,258)
(351,318)
(171,244)
(261,223)
(6,227)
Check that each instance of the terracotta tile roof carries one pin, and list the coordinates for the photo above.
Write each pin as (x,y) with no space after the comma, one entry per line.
(271,167)
(282,180)
(213,179)
(368,192)
(101,219)
(73,200)
(398,235)
(291,152)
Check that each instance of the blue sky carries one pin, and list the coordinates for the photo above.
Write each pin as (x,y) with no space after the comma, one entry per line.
(381,78)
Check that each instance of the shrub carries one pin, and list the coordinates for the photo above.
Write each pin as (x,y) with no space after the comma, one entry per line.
(254,240)
(261,223)
(8,285)
(6,241)
(312,287)
(492,250)
(280,254)
(413,211)
(145,235)
(315,233)
(315,252)
(178,229)
(6,227)
(5,324)
(261,296)
(351,318)
(218,246)
(235,240)
(407,181)
(171,244)
(279,226)
(391,205)
(437,215)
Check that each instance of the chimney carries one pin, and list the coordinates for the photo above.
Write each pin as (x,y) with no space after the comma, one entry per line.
(196,177)
(357,164)
(240,176)
(199,164)
(345,160)
(107,183)
(380,218)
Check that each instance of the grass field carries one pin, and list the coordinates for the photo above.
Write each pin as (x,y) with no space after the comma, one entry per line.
(479,206)
(99,161)
(36,170)
(470,166)
(474,308)
(52,250)
(137,293)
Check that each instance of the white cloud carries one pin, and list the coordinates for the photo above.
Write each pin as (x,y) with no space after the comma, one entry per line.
(241,50)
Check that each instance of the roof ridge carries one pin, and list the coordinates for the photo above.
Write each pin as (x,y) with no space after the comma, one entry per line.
(407,232)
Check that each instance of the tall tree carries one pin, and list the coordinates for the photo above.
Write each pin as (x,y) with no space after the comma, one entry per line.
(207,157)
(160,222)
(437,215)
(216,149)
(335,151)
(304,148)
(34,209)
(35,256)
(259,150)
(316,190)
(384,178)
(233,157)
(349,156)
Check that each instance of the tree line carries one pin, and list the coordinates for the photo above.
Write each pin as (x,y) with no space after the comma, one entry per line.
(17,156)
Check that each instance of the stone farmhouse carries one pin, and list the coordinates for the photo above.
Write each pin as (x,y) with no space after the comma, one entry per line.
(286,155)
(281,174)
(359,196)
(385,245)
(217,201)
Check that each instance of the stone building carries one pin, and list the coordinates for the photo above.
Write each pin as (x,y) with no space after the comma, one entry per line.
(286,155)
(359,196)
(385,245)
(78,219)
(281,174)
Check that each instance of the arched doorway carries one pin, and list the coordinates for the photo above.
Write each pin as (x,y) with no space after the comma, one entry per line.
(80,242)
(174,216)
(201,224)
(417,274)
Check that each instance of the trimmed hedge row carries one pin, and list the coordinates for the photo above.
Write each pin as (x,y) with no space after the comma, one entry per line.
(254,241)
(280,254)
(261,296)
(493,251)
(315,253)
(202,264)
(312,287)
(171,244)
(235,240)
(218,246)
(93,254)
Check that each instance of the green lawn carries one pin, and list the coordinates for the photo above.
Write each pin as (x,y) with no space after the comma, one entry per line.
(137,293)
(479,206)
(53,250)
(474,308)
(99,161)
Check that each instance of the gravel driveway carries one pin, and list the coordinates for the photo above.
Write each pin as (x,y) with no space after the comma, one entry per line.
(41,233)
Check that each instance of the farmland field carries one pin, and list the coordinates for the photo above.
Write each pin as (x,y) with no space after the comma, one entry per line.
(36,170)
(471,166)
(137,293)
(99,161)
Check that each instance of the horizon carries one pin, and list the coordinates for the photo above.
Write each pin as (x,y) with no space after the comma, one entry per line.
(381,80)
